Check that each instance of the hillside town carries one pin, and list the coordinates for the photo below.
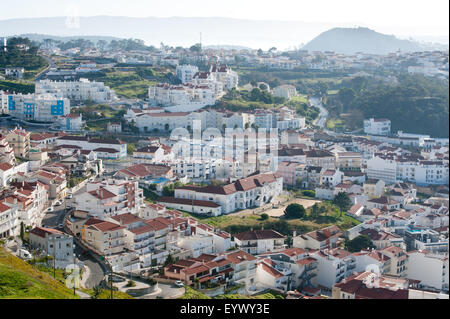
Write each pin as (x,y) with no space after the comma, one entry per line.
(144,195)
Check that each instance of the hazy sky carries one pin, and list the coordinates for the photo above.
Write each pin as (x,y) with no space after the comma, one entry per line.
(402,17)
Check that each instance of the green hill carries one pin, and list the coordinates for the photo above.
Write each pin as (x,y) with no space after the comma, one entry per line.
(19,280)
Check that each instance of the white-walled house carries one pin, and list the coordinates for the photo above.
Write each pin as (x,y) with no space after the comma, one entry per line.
(377,126)
(53,243)
(253,191)
(259,241)
(431,270)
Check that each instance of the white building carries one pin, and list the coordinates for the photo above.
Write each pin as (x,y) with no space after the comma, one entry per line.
(82,90)
(38,107)
(9,221)
(333,266)
(285,91)
(391,169)
(377,126)
(253,191)
(54,243)
(261,241)
(104,148)
(431,270)
(110,198)
(186,73)
(71,122)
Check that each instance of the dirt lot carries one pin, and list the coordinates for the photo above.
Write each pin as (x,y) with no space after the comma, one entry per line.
(279,211)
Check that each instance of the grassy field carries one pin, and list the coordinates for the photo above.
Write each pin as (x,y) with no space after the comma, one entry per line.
(17,86)
(19,280)
(106,294)
(335,123)
(300,98)
(235,223)
(194,294)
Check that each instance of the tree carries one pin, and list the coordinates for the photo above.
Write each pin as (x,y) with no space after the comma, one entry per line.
(196,48)
(294,211)
(22,231)
(343,201)
(359,243)
(315,211)
(169,260)
(166,126)
(130,149)
(96,292)
(346,96)
(264,216)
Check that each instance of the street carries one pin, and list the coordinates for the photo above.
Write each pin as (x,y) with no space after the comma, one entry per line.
(54,219)
(167,291)
(321,121)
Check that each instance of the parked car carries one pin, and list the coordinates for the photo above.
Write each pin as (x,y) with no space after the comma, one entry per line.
(24,254)
(58,203)
(179,283)
(69,196)
(50,209)
(61,226)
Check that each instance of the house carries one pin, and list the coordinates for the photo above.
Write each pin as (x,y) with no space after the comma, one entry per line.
(110,197)
(105,148)
(372,260)
(54,243)
(285,91)
(201,207)
(259,241)
(382,239)
(334,265)
(235,267)
(20,142)
(399,260)
(6,151)
(356,211)
(374,187)
(361,286)
(377,126)
(143,172)
(29,199)
(349,161)
(288,170)
(383,202)
(253,191)
(331,178)
(268,275)
(104,237)
(294,263)
(430,269)
(318,239)
(322,158)
(9,221)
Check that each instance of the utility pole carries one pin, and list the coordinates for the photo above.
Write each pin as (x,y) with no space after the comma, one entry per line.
(54,257)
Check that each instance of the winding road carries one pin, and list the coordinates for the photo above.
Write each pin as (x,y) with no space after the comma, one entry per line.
(321,121)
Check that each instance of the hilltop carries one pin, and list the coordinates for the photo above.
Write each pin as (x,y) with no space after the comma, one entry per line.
(353,40)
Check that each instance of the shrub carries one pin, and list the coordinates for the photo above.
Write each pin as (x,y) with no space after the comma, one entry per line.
(295,211)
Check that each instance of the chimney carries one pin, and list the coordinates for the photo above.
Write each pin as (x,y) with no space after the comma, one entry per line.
(294,234)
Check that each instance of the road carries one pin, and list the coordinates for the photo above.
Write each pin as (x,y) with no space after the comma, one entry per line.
(51,64)
(168,291)
(53,220)
(321,121)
